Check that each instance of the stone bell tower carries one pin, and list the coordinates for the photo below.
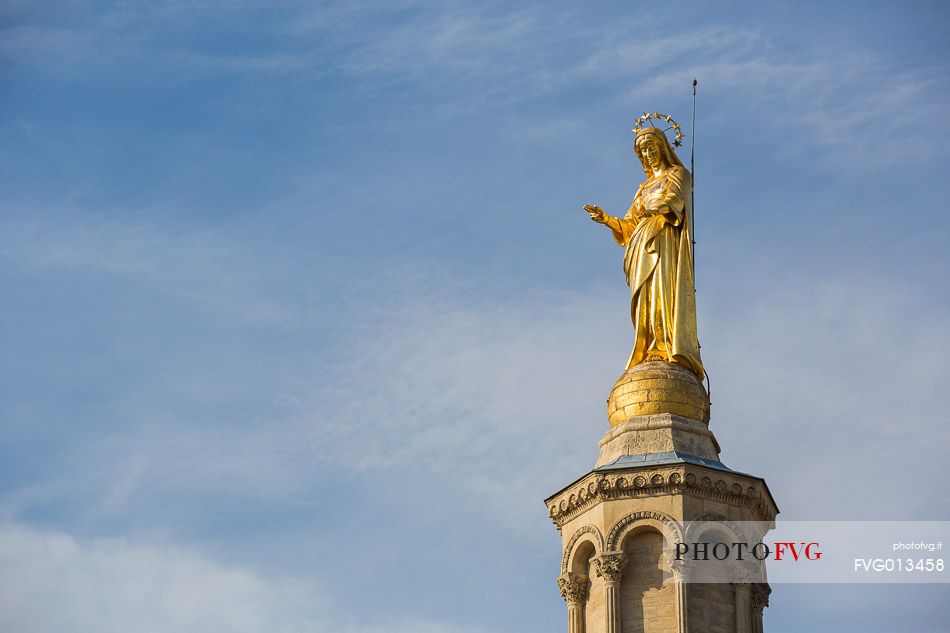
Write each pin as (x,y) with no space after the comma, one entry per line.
(658,474)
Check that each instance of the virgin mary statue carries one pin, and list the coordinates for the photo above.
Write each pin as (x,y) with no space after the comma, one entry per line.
(658,261)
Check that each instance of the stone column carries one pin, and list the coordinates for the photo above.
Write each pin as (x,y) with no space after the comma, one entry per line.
(609,566)
(678,571)
(743,589)
(759,599)
(573,589)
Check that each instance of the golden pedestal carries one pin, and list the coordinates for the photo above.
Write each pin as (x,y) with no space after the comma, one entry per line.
(658,471)
(657,387)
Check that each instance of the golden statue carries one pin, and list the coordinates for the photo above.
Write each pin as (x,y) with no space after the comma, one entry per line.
(658,262)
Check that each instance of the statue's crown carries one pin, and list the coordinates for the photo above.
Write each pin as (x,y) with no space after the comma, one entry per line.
(648,119)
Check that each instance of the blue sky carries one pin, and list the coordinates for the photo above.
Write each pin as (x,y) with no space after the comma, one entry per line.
(303,318)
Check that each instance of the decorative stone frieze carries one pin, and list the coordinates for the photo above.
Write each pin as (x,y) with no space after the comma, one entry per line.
(735,489)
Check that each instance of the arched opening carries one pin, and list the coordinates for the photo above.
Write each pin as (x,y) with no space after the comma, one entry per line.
(710,594)
(647,593)
(582,565)
(583,553)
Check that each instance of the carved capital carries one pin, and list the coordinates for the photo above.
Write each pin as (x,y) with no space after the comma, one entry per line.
(677,567)
(610,566)
(742,576)
(760,596)
(573,588)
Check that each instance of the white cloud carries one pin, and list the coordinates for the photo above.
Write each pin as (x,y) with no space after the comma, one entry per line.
(50,581)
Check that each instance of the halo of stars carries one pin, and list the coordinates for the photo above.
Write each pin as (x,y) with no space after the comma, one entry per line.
(648,118)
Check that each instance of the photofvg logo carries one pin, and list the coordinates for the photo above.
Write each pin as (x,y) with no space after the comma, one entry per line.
(737,551)
(711,551)
(741,551)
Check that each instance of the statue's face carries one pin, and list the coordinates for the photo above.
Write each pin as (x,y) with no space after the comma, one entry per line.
(652,153)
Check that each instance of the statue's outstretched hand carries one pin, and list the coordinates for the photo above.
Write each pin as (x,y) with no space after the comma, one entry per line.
(596,213)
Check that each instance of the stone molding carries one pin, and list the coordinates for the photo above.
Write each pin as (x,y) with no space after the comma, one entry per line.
(703,520)
(569,549)
(615,537)
(732,488)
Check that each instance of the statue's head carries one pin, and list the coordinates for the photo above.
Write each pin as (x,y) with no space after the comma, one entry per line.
(654,150)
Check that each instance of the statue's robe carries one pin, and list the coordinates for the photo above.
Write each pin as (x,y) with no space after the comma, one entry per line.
(658,264)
